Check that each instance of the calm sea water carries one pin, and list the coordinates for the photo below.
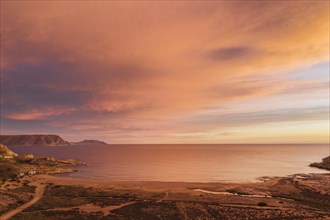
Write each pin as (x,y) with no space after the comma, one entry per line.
(190,163)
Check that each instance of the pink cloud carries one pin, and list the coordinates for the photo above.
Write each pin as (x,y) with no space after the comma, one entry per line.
(143,63)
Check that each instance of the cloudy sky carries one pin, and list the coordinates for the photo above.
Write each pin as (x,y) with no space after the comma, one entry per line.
(166,72)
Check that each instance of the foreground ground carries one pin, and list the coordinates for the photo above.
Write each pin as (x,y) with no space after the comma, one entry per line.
(49,197)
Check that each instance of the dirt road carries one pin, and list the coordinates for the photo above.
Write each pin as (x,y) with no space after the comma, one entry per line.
(38,194)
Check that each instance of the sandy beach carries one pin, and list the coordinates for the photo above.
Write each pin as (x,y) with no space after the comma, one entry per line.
(32,187)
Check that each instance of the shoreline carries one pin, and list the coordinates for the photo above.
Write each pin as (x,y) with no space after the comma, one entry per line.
(172,185)
(295,196)
(208,187)
(42,192)
(56,178)
(256,179)
(109,167)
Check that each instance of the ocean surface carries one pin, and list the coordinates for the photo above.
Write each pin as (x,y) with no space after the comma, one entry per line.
(189,163)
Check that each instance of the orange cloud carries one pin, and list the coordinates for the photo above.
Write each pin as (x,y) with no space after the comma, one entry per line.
(154,61)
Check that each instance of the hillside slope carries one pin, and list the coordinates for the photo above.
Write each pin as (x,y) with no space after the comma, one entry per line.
(6,153)
(33,140)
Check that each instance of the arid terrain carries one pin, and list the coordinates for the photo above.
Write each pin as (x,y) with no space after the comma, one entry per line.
(294,197)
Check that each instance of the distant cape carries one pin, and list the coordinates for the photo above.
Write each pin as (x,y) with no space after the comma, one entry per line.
(89,142)
(33,140)
(325,164)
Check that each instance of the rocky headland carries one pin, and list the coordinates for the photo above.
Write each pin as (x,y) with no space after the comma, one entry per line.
(33,140)
(14,166)
(325,164)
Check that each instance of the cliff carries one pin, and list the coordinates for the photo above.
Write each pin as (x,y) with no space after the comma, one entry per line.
(325,164)
(89,142)
(33,140)
(6,153)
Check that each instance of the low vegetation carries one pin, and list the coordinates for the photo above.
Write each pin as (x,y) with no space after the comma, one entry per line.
(262,204)
(292,198)
(8,170)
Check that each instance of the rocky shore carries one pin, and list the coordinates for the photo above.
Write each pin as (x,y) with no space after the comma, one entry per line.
(32,196)
(325,164)
(14,166)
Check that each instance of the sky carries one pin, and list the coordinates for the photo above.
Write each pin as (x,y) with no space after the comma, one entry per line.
(166,71)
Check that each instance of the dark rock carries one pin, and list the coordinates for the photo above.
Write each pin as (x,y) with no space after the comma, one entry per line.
(325,164)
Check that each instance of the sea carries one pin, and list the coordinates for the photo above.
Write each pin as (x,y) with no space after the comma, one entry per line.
(186,162)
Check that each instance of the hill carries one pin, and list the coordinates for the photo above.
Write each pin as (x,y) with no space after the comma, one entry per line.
(6,153)
(33,140)
(90,142)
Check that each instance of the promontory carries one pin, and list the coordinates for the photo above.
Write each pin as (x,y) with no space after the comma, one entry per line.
(33,140)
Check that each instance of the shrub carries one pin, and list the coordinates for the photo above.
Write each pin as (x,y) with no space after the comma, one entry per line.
(262,204)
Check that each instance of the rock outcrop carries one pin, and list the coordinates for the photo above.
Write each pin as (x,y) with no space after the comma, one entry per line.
(6,153)
(33,140)
(325,164)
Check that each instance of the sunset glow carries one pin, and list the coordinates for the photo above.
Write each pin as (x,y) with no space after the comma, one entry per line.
(166,72)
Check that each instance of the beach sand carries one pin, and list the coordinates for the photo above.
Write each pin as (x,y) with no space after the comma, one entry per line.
(294,197)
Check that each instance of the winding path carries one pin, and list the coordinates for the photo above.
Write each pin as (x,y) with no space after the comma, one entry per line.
(164,198)
(38,194)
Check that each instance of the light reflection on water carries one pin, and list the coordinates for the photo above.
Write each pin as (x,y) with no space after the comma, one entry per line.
(190,163)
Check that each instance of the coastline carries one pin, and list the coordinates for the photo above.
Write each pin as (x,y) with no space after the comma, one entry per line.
(40,193)
(212,164)
(297,196)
